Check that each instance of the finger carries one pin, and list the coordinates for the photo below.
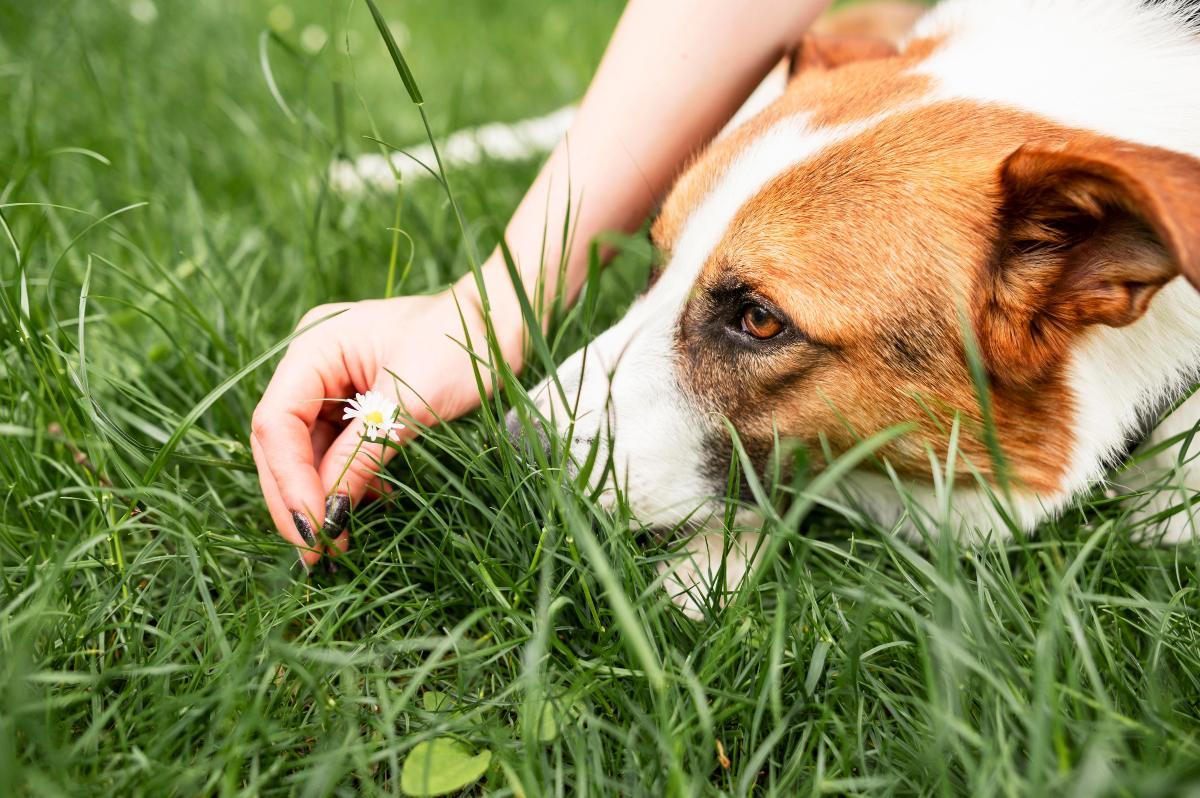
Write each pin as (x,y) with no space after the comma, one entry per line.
(283,423)
(324,433)
(284,524)
(351,466)
(323,436)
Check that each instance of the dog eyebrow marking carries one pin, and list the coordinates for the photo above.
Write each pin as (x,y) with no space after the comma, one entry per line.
(786,144)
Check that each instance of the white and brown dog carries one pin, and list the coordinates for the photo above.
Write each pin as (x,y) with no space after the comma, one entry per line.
(1027,169)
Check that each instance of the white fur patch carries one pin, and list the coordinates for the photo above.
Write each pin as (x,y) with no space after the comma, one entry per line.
(1116,67)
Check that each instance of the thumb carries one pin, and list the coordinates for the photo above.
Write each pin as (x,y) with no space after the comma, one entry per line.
(351,466)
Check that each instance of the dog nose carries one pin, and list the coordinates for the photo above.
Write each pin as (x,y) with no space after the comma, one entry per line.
(518,433)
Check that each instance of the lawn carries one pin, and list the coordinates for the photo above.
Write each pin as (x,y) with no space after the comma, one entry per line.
(164,221)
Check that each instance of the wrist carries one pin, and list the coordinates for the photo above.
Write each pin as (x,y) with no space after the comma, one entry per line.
(502,307)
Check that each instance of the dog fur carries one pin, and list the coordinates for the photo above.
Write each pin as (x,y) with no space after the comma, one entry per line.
(1028,171)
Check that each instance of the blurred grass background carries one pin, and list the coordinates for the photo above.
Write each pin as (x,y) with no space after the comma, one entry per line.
(165,222)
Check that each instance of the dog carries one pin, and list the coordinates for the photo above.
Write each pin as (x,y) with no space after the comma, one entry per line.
(1013,191)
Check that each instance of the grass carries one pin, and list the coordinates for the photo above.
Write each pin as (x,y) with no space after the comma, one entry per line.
(165,224)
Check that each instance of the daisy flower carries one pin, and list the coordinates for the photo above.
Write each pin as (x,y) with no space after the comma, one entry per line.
(377,412)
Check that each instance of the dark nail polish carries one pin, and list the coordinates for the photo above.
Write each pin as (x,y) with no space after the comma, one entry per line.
(303,564)
(305,528)
(337,513)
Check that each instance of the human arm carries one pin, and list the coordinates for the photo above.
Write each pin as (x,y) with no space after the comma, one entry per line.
(673,74)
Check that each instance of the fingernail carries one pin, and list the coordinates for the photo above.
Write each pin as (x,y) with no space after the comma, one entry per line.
(303,564)
(337,512)
(305,528)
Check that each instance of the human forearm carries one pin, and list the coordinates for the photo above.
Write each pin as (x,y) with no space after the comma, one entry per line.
(674,73)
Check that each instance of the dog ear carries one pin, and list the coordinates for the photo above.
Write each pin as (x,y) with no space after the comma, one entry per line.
(1090,230)
(824,51)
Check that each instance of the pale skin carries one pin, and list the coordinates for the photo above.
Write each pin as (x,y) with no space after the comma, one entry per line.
(672,76)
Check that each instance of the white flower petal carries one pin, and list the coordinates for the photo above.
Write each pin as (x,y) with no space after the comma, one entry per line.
(380,411)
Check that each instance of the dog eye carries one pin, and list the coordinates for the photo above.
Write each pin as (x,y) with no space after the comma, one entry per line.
(760,323)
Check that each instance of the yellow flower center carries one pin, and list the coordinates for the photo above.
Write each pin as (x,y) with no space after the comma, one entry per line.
(375,418)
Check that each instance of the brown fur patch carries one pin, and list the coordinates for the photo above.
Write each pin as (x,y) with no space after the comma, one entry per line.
(883,19)
(823,52)
(847,94)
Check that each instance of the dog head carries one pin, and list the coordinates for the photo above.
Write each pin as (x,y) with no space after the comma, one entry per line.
(827,262)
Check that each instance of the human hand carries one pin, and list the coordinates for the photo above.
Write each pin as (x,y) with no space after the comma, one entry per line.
(413,350)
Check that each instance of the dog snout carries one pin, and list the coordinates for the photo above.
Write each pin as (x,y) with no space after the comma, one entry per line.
(526,433)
